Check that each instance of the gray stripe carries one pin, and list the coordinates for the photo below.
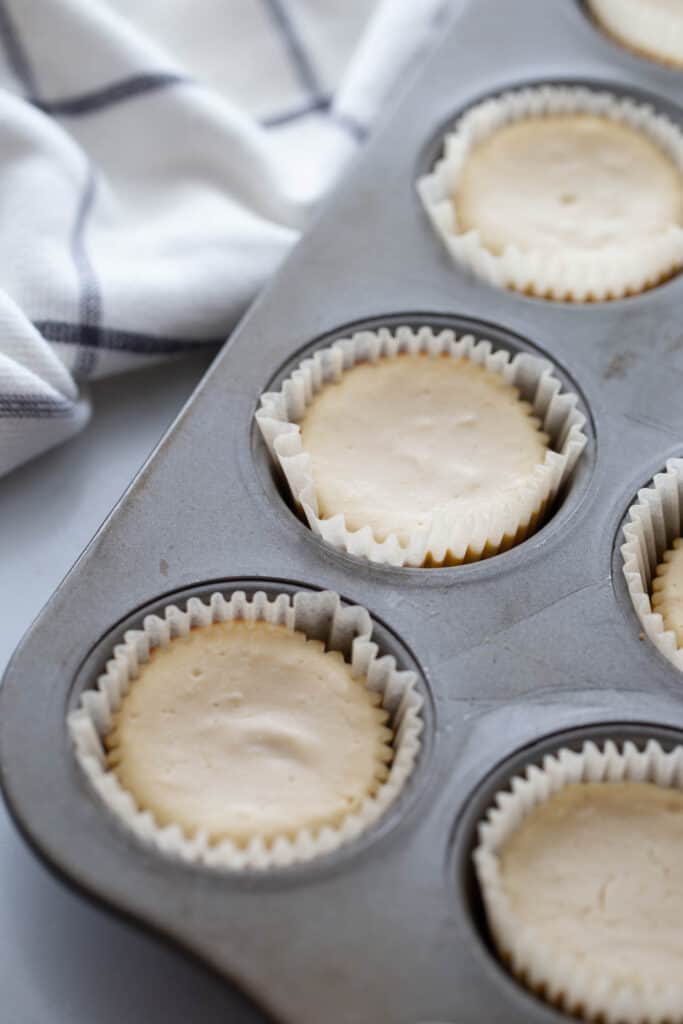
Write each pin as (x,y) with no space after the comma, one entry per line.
(318,105)
(357,130)
(90,304)
(108,95)
(119,341)
(90,300)
(18,406)
(16,55)
(307,76)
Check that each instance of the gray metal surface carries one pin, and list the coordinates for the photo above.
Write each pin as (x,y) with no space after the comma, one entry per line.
(539,639)
(63,958)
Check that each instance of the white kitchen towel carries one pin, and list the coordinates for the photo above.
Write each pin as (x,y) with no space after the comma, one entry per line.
(159,158)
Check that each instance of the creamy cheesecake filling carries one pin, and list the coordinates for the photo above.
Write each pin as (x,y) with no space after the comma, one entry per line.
(393,441)
(567,182)
(246,729)
(596,871)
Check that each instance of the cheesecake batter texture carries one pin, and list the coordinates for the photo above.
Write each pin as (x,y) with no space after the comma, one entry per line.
(248,729)
(667,590)
(567,183)
(395,440)
(597,871)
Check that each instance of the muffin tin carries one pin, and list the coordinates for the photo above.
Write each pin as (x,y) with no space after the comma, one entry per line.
(533,649)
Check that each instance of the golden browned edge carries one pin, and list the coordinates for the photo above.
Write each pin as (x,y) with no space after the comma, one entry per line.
(549,296)
(625,44)
(560,1001)
(658,584)
(384,754)
(540,989)
(507,541)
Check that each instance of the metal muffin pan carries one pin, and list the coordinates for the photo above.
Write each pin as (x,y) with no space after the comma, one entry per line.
(511,651)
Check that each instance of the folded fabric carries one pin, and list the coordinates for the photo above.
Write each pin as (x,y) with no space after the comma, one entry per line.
(159,161)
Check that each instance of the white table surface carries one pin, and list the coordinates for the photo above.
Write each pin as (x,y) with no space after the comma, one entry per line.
(63,961)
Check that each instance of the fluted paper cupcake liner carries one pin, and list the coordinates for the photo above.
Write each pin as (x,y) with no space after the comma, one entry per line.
(447,539)
(320,616)
(609,274)
(647,29)
(577,985)
(654,522)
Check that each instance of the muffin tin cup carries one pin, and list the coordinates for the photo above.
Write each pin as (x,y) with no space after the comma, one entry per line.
(654,522)
(577,985)
(647,30)
(611,273)
(449,539)
(320,616)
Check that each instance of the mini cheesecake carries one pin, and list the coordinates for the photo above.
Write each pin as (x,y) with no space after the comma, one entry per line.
(245,729)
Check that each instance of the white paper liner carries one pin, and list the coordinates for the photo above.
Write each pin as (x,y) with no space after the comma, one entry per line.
(610,273)
(446,540)
(654,522)
(647,28)
(578,986)
(320,616)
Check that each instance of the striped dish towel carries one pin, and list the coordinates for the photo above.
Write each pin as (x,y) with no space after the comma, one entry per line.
(158,161)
